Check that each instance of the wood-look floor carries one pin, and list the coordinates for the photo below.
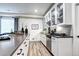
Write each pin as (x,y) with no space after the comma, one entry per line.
(37,49)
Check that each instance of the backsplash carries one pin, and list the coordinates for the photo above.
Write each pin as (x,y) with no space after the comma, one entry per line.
(64,29)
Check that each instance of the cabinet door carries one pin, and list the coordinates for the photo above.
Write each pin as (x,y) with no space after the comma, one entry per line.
(65,46)
(60,13)
(54,46)
(48,43)
(53,16)
(76,31)
(64,13)
(43,39)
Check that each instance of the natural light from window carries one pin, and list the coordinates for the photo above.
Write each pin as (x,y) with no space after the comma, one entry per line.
(7,25)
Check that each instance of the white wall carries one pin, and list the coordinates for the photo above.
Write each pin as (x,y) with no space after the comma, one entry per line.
(28,22)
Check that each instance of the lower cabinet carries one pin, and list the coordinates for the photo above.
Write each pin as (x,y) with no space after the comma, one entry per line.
(48,43)
(43,38)
(54,46)
(23,49)
(62,46)
(65,47)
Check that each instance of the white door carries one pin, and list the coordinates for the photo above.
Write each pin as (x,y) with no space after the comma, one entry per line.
(76,32)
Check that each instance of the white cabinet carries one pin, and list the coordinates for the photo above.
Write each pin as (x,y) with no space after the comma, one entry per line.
(48,17)
(53,16)
(62,46)
(63,13)
(23,49)
(54,46)
(66,11)
(75,19)
(60,13)
(65,46)
(43,38)
(48,43)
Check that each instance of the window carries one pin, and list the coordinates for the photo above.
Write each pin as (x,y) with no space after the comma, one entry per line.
(7,24)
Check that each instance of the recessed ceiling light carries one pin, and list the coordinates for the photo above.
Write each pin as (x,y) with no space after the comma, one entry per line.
(36,10)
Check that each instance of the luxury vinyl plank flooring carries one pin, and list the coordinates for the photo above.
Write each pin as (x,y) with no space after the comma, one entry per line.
(36,48)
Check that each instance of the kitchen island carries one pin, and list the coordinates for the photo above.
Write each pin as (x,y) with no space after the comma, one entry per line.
(8,47)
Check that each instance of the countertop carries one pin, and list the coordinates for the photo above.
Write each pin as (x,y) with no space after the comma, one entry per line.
(48,35)
(63,36)
(7,47)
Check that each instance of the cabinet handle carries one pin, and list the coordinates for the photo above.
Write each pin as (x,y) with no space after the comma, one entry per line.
(25,45)
(78,36)
(23,54)
(24,42)
(20,52)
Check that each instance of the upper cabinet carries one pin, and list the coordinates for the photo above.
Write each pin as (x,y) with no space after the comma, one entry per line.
(53,22)
(64,13)
(48,19)
(60,13)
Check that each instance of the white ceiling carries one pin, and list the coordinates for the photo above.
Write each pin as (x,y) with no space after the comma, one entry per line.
(24,8)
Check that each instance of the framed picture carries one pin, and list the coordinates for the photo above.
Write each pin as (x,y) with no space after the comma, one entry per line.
(35,26)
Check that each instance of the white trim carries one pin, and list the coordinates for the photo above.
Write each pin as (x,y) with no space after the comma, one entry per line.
(22,15)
